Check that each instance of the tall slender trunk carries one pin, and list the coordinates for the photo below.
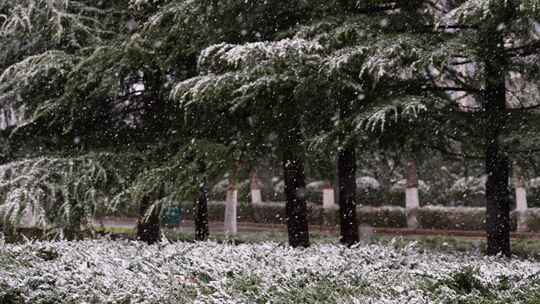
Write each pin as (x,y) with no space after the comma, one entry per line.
(497,203)
(148,229)
(496,161)
(295,187)
(346,175)
(346,163)
(201,214)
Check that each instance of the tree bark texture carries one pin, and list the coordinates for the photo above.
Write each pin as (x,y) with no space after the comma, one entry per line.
(346,163)
(497,163)
(201,215)
(295,187)
(148,228)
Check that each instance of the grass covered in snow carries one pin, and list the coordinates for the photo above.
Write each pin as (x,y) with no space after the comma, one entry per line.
(103,271)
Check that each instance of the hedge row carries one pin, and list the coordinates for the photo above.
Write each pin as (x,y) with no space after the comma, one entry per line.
(429,217)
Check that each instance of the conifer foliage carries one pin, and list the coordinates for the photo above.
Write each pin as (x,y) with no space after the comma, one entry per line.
(183,87)
(270,76)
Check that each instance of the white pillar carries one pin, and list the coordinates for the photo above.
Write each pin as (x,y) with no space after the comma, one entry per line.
(231,204)
(521,204)
(328,197)
(256,195)
(412,202)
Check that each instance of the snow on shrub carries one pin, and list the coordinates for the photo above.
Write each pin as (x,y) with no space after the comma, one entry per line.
(385,216)
(130,272)
(367,183)
(534,183)
(219,190)
(470,184)
(279,187)
(401,185)
(454,218)
(316,186)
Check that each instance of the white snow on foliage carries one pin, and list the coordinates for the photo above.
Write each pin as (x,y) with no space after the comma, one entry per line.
(131,272)
(367,183)
(475,10)
(534,183)
(279,187)
(475,185)
(316,185)
(251,54)
(401,185)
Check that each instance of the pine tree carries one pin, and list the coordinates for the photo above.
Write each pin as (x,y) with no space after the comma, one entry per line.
(270,81)
(357,83)
(480,70)
(98,87)
(209,22)
(41,42)
(261,77)
(504,42)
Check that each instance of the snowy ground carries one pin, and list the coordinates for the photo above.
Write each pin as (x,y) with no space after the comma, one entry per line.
(130,272)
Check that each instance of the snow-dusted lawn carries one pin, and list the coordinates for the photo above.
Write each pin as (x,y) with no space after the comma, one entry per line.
(129,272)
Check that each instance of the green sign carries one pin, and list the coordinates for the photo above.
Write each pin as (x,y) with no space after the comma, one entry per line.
(172,216)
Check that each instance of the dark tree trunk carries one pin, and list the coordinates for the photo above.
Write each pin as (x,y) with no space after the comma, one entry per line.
(148,229)
(346,175)
(201,215)
(497,203)
(497,163)
(346,165)
(296,207)
(295,187)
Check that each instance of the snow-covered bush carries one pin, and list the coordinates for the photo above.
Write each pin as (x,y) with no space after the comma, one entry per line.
(219,190)
(367,183)
(57,192)
(314,191)
(386,216)
(470,184)
(221,186)
(533,192)
(369,191)
(401,185)
(278,188)
(534,183)
(131,272)
(316,186)
(429,217)
(469,191)
(453,218)
(394,195)
(533,219)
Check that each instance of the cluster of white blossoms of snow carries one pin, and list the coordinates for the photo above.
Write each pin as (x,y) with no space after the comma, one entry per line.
(130,272)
